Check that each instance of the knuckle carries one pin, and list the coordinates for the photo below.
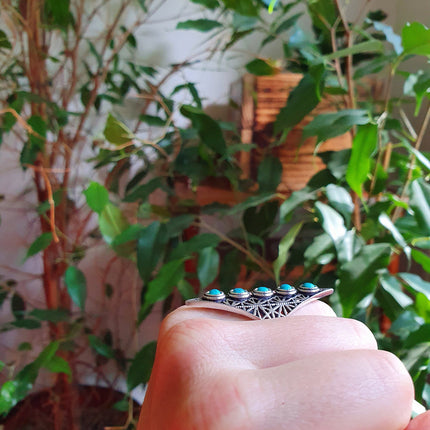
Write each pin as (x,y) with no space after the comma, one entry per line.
(363,335)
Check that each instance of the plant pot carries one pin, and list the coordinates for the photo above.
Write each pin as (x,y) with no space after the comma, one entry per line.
(95,410)
(263,98)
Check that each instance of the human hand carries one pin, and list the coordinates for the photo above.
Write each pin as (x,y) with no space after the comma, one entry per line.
(218,371)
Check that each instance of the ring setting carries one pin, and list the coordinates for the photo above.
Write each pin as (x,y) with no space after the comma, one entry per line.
(262,302)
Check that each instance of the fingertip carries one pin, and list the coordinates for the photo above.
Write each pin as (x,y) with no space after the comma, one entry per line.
(421,422)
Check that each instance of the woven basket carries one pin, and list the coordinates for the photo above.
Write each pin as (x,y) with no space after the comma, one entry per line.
(263,98)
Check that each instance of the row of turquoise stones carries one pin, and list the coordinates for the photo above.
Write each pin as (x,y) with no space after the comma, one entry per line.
(262,291)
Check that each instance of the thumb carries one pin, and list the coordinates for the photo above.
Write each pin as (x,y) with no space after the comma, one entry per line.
(421,422)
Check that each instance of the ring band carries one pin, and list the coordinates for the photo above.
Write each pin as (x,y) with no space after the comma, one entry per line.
(263,302)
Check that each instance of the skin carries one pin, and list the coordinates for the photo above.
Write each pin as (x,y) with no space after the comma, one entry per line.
(219,371)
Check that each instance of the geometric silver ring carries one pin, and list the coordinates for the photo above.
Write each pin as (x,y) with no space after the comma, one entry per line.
(262,302)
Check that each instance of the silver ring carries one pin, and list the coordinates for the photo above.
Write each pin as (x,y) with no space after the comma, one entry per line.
(262,302)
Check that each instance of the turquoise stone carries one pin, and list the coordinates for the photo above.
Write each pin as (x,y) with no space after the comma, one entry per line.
(262,289)
(214,292)
(308,285)
(285,287)
(238,290)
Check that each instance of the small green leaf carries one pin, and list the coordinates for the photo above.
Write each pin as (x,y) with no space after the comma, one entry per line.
(385,220)
(51,315)
(76,286)
(97,197)
(269,174)
(202,25)
(242,7)
(25,346)
(209,130)
(422,259)
(122,405)
(207,266)
(294,201)
(368,46)
(358,277)
(112,223)
(420,203)
(58,365)
(100,347)
(260,67)
(251,202)
(150,248)
(194,245)
(57,196)
(332,222)
(209,4)
(393,288)
(328,125)
(17,306)
(341,200)
(301,101)
(4,41)
(160,287)
(186,289)
(363,146)
(40,244)
(47,354)
(116,132)
(320,247)
(141,366)
(416,283)
(153,120)
(283,249)
(36,141)
(288,23)
(142,192)
(419,336)
(416,39)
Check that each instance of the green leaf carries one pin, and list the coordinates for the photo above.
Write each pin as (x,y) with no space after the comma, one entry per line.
(202,25)
(358,277)
(363,47)
(341,200)
(51,315)
(391,296)
(209,4)
(112,223)
(130,234)
(17,306)
(207,266)
(328,125)
(122,405)
(141,366)
(250,202)
(416,39)
(36,141)
(100,347)
(153,120)
(420,203)
(57,13)
(242,7)
(294,201)
(142,192)
(288,23)
(364,144)
(416,283)
(76,286)
(97,197)
(419,336)
(194,245)
(4,41)
(27,323)
(283,249)
(332,222)
(57,196)
(209,130)
(116,132)
(269,174)
(301,101)
(319,251)
(150,247)
(58,365)
(40,244)
(25,346)
(385,220)
(47,354)
(160,287)
(261,67)
(422,259)
(186,289)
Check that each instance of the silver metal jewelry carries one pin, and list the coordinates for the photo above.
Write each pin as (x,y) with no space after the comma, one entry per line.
(262,302)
